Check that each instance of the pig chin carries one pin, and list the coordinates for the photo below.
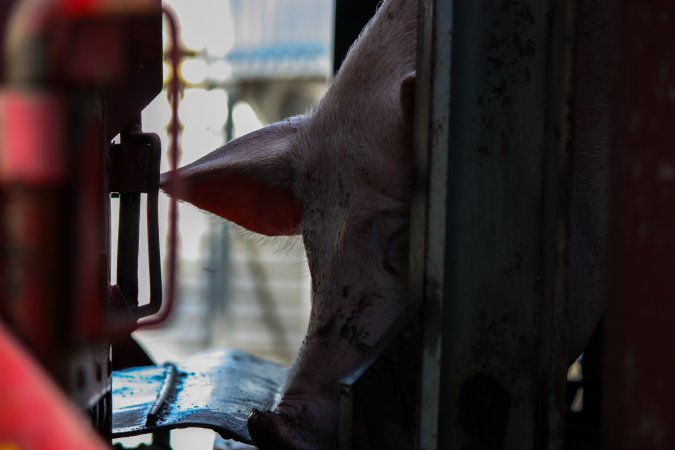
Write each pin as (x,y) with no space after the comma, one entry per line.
(358,290)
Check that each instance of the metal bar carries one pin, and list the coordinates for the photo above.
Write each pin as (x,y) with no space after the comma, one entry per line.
(135,170)
(152,219)
(161,439)
(639,395)
(347,399)
(350,18)
(164,395)
(489,221)
(127,249)
(555,246)
(428,206)
(174,181)
(377,398)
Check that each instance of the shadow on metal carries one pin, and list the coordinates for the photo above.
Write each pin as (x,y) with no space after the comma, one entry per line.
(378,399)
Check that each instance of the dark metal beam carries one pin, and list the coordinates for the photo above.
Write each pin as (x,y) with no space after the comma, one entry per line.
(350,18)
(489,229)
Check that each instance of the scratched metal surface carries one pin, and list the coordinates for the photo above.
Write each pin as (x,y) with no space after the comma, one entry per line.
(215,390)
(489,224)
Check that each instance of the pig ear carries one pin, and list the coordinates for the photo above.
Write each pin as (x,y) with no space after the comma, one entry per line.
(248,181)
(408,94)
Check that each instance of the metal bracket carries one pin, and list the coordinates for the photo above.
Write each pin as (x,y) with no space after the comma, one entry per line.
(134,171)
(378,398)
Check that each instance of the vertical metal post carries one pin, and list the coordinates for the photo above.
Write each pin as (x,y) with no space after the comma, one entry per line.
(490,221)
(640,336)
(428,228)
(350,18)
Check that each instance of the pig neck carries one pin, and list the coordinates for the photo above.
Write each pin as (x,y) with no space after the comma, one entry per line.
(355,191)
(352,182)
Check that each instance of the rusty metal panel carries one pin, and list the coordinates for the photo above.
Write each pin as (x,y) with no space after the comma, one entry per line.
(490,221)
(640,370)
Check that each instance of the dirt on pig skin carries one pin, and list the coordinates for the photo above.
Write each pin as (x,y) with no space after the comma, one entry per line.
(341,177)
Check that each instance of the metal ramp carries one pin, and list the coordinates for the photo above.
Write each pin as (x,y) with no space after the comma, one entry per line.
(215,390)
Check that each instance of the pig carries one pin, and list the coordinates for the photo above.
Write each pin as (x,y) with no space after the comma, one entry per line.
(348,194)
(341,176)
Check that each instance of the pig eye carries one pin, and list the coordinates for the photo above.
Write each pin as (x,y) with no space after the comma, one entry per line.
(396,253)
(385,236)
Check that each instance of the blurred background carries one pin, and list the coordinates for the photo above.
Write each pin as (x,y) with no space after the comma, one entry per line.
(247,63)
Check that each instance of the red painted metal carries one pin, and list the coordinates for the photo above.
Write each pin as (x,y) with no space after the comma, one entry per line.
(54,195)
(33,171)
(34,414)
(26,155)
(641,333)
(79,8)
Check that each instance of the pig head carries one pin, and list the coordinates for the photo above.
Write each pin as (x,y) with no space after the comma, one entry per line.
(340,176)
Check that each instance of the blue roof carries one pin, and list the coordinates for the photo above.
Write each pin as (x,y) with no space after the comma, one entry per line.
(281,38)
